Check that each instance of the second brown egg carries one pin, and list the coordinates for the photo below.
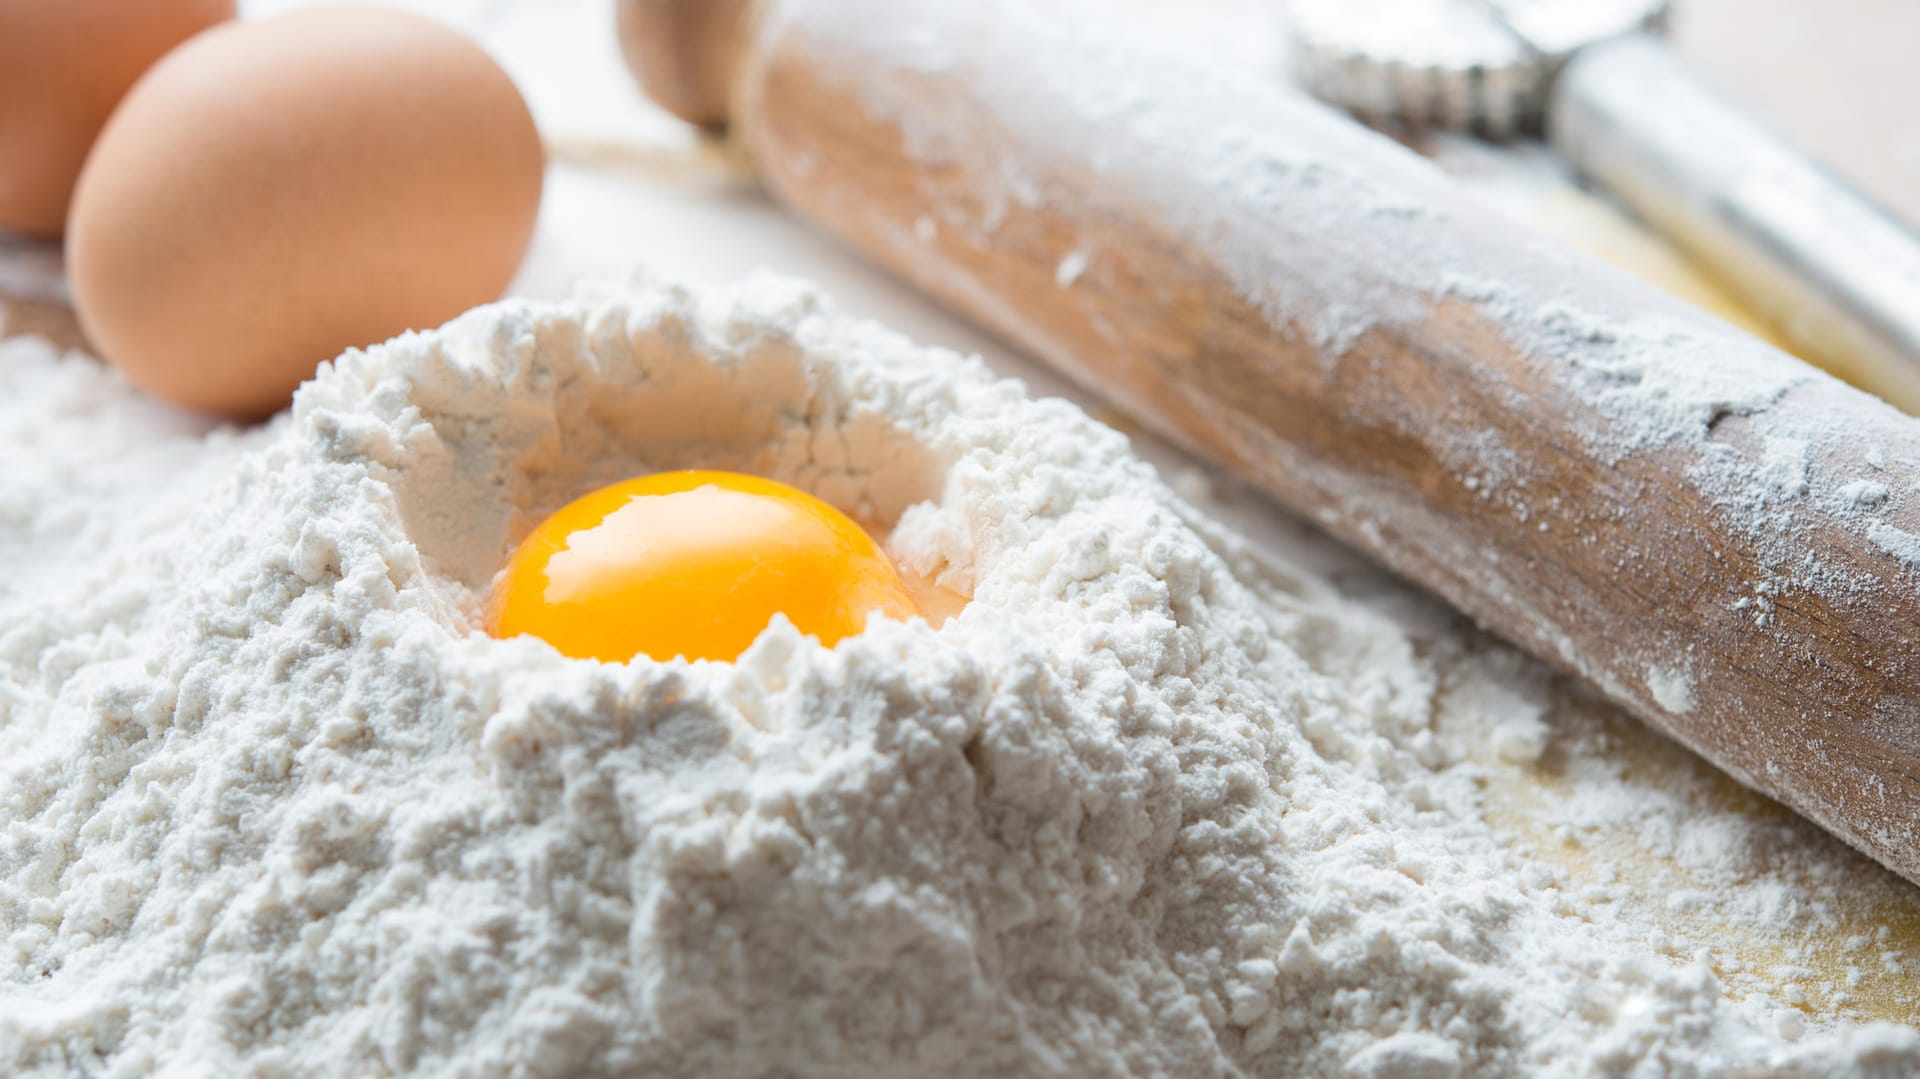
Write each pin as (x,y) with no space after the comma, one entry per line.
(273,193)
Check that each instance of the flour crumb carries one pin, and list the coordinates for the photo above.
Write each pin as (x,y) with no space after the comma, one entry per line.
(1862,494)
(1070,269)
(1672,689)
(1897,542)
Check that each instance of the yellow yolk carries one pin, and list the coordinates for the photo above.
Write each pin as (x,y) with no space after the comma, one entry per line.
(692,564)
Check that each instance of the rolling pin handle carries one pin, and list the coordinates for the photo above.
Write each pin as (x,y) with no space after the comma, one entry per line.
(685,54)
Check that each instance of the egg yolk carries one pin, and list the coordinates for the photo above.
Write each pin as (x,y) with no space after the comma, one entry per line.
(692,564)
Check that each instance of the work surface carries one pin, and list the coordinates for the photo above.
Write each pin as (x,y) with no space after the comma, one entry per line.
(631,187)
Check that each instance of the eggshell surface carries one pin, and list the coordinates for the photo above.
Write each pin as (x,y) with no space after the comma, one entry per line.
(273,193)
(64,65)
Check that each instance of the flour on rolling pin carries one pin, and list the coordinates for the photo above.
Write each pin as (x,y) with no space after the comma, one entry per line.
(1624,356)
(1313,199)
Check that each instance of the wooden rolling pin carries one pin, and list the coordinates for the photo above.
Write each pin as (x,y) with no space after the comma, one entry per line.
(1715,536)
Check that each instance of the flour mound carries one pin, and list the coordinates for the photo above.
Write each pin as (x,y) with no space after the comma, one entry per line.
(270,801)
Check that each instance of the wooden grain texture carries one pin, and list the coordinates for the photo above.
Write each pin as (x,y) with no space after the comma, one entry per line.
(1614,566)
(23,316)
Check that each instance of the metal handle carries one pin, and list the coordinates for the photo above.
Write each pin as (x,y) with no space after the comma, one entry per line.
(1839,274)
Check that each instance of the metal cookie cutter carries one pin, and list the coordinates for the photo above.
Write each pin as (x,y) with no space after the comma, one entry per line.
(1835,271)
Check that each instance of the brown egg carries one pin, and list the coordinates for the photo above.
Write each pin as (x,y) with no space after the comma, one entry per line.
(273,193)
(64,65)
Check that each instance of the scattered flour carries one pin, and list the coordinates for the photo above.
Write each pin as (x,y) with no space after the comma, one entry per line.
(1161,800)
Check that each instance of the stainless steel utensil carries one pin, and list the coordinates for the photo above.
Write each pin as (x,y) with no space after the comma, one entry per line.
(1835,271)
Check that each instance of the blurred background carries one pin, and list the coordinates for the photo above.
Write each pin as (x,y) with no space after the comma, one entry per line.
(631,186)
(1838,75)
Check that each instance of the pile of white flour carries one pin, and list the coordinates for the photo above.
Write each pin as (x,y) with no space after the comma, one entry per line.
(1153,803)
